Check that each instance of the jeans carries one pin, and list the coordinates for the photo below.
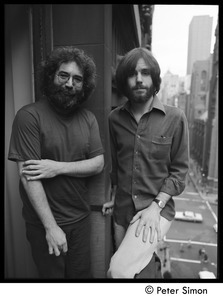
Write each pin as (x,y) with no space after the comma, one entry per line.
(75,264)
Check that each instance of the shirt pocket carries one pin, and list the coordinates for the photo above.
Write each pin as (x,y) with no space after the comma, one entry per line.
(160,148)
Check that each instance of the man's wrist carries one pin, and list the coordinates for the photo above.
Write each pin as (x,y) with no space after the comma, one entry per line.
(160,203)
(161,199)
(61,168)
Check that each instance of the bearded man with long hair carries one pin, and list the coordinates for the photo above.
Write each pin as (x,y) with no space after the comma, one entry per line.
(56,144)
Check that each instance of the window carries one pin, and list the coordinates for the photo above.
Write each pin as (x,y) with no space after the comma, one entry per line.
(203,80)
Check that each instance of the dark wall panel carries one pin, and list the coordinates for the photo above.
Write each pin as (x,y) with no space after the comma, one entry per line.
(78,24)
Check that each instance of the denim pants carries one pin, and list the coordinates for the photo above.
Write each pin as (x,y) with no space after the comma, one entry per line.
(75,264)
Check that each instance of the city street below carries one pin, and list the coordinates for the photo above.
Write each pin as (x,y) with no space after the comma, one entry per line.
(191,247)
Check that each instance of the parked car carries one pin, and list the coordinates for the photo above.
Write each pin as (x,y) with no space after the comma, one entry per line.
(206,274)
(188,216)
(215,226)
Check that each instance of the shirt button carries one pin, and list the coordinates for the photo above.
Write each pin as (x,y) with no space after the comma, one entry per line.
(135,196)
(138,136)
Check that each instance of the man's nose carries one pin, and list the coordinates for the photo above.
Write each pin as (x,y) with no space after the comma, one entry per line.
(139,77)
(69,82)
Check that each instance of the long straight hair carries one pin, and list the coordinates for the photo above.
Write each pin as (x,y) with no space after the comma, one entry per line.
(128,64)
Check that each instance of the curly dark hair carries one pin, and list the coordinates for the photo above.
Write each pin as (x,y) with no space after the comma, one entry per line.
(67,54)
(128,64)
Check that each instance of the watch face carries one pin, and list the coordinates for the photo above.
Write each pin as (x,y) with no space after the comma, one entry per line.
(161,204)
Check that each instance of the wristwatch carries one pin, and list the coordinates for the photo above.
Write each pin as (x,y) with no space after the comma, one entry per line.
(160,203)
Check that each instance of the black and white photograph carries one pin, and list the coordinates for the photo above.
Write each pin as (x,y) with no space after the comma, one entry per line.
(111,145)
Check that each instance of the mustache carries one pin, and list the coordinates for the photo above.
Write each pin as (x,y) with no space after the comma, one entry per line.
(139,86)
(62,91)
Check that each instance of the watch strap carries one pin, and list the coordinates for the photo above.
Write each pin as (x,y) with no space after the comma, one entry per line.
(160,203)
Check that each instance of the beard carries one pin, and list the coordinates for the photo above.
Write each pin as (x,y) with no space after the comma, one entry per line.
(138,98)
(63,100)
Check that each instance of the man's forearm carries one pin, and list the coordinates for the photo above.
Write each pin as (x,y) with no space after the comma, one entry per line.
(83,168)
(37,197)
(55,237)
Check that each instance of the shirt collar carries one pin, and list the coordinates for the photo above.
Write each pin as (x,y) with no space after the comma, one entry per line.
(157,104)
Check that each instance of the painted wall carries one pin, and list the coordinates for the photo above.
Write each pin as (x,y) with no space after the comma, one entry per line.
(18,92)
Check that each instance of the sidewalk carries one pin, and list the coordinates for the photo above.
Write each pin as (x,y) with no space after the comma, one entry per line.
(164,255)
(206,192)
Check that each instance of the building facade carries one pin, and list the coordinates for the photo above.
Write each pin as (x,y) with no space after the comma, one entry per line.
(200,82)
(169,89)
(199,40)
(198,101)
(210,154)
(203,117)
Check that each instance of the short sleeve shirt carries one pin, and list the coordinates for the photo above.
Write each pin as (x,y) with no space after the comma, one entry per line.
(38,132)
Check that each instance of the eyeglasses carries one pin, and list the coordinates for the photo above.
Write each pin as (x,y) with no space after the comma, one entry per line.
(65,77)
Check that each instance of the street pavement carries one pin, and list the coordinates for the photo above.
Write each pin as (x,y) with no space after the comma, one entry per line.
(181,251)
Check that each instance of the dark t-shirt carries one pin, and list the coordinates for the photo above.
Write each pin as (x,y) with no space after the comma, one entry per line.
(38,132)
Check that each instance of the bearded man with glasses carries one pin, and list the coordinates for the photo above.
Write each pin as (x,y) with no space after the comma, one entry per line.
(56,144)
